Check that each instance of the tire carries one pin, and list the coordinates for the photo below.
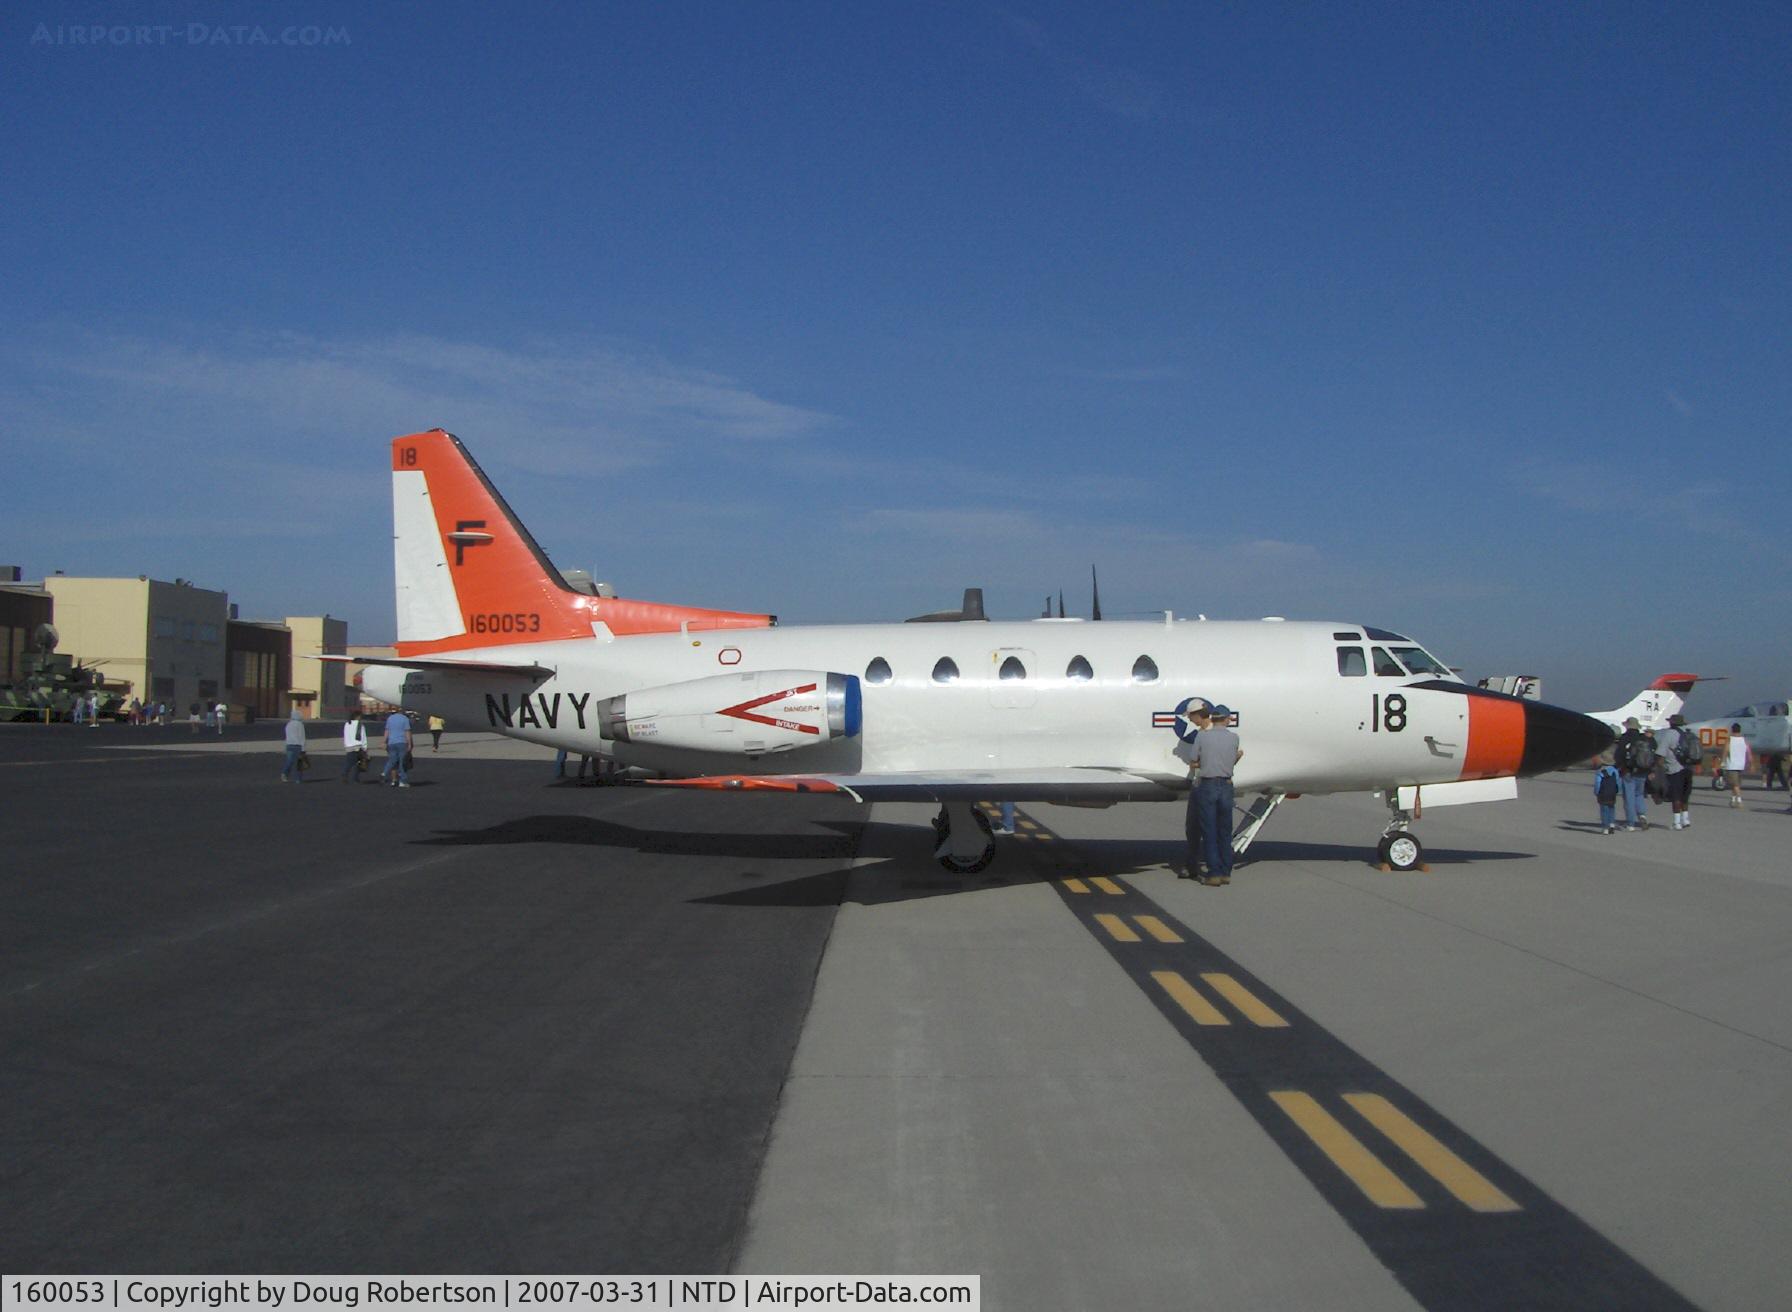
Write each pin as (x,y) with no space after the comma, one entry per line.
(976,863)
(1400,852)
(979,862)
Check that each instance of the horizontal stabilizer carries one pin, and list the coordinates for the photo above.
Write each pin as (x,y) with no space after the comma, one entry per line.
(526,669)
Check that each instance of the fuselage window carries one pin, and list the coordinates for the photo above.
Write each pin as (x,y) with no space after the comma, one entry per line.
(1011,669)
(1419,661)
(878,671)
(1144,670)
(1351,662)
(1078,670)
(1386,665)
(946,671)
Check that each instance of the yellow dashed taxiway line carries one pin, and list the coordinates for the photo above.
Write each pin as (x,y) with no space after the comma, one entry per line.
(1381,1157)
(1379,1185)
(1157,929)
(1242,998)
(1189,998)
(1117,929)
(1449,1170)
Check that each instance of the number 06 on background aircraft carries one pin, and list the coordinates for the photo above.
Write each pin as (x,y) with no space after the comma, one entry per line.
(1054,710)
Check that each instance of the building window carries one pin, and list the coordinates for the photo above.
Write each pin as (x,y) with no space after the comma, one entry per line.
(1144,670)
(208,633)
(945,671)
(1078,670)
(164,626)
(878,671)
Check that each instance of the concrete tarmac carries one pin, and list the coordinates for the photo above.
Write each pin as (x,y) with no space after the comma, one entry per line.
(1592,1027)
(494,1023)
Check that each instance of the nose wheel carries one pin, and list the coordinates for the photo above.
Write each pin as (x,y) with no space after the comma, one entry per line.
(1400,851)
(965,844)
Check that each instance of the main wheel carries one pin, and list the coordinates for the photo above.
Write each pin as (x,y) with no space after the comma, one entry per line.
(972,865)
(942,826)
(1400,851)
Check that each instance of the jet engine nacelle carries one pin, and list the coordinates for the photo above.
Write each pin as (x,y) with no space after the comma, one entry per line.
(756,713)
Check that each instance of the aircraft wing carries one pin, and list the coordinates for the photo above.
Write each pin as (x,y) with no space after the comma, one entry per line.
(527,669)
(1071,784)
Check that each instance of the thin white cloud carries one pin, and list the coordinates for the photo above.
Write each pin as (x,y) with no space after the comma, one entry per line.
(567,408)
(1122,92)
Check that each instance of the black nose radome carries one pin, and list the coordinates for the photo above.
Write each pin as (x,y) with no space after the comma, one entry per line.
(1554,738)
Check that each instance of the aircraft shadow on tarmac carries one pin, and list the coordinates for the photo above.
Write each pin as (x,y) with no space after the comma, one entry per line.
(895,856)
(899,854)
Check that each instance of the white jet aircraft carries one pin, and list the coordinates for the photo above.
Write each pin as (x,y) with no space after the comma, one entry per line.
(1057,710)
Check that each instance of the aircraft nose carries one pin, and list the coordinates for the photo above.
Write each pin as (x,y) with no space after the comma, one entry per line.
(1554,737)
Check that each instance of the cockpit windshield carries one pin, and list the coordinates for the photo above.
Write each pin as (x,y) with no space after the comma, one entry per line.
(1420,661)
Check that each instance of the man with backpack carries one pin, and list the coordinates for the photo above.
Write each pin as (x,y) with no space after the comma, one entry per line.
(1680,752)
(1634,755)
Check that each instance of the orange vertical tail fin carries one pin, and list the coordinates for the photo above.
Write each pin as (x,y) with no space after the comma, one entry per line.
(469,575)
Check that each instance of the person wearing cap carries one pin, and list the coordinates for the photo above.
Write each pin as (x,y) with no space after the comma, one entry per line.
(1216,754)
(1197,716)
(1634,755)
(1677,774)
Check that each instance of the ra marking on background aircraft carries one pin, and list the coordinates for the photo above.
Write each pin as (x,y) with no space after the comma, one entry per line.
(1652,706)
(1055,710)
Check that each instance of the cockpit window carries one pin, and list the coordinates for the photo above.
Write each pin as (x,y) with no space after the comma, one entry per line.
(1386,665)
(1351,663)
(1419,661)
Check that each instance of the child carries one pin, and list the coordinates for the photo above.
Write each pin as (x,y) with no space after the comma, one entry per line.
(1605,791)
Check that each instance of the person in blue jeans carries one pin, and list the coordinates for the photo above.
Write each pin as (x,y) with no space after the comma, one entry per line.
(1216,754)
(1634,755)
(398,744)
(295,748)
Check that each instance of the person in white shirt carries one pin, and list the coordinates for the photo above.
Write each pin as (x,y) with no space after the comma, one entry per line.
(354,747)
(1735,762)
(223,713)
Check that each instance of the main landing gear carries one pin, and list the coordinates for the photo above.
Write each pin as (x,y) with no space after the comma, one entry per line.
(965,844)
(1398,849)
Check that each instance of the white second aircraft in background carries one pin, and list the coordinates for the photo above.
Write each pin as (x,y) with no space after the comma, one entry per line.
(1652,706)
(1056,710)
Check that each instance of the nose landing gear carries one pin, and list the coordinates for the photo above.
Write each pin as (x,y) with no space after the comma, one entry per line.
(1398,849)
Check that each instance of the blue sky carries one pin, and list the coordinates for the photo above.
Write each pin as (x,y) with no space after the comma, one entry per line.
(1467,320)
